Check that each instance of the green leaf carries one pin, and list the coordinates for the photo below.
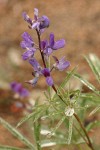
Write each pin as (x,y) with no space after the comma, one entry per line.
(95,110)
(58,125)
(2,147)
(89,85)
(70,129)
(93,125)
(25,119)
(48,143)
(91,98)
(67,78)
(36,112)
(37,125)
(17,134)
(94,63)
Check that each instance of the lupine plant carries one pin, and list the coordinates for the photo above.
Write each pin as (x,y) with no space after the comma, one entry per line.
(59,119)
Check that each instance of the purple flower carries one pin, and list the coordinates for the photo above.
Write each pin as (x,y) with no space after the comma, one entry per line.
(39,23)
(46,73)
(17,88)
(53,45)
(34,81)
(36,65)
(44,22)
(36,73)
(27,18)
(27,41)
(28,54)
(27,44)
(61,64)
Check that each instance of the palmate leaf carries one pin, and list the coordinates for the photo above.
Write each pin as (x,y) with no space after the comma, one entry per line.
(94,63)
(17,134)
(89,85)
(2,147)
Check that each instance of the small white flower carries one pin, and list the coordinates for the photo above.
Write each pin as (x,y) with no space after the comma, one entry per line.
(69,111)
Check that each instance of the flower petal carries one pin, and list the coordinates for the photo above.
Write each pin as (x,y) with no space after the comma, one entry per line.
(24,92)
(44,44)
(33,82)
(46,72)
(27,37)
(44,22)
(36,14)
(35,25)
(59,44)
(35,65)
(63,66)
(49,81)
(28,54)
(48,51)
(27,18)
(17,87)
(51,40)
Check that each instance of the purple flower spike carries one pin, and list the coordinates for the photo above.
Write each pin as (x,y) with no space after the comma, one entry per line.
(49,81)
(39,23)
(17,88)
(46,73)
(61,64)
(56,45)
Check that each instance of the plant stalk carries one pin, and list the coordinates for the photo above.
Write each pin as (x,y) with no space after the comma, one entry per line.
(39,40)
(89,141)
(77,118)
(54,88)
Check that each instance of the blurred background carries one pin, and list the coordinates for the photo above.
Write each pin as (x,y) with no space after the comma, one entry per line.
(78,22)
